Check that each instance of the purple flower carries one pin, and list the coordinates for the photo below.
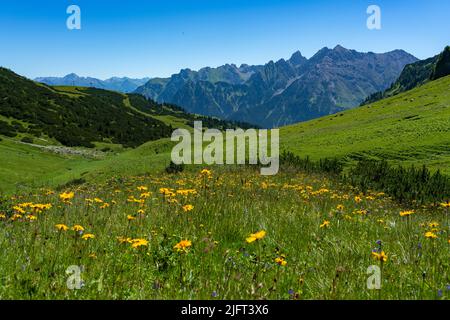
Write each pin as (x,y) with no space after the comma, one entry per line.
(439,293)
(378,242)
(214,294)
(291,292)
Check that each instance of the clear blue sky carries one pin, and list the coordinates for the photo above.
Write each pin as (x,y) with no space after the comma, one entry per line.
(157,38)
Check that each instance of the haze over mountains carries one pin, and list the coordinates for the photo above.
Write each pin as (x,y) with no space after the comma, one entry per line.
(123,84)
(271,95)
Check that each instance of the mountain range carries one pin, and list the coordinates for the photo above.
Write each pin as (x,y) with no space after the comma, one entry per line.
(123,84)
(416,74)
(282,92)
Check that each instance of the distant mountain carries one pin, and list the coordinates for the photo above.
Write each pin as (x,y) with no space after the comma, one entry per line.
(116,84)
(282,92)
(416,74)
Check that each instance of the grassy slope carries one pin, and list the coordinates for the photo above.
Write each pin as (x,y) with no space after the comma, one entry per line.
(26,167)
(411,128)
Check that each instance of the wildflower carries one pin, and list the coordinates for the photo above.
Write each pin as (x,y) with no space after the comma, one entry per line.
(77,228)
(31,217)
(136,243)
(124,240)
(280,261)
(145,195)
(340,207)
(16,216)
(256,236)
(430,235)
(130,217)
(2,216)
(88,236)
(97,200)
(66,196)
(142,188)
(141,212)
(380,256)
(183,246)
(358,199)
(104,205)
(445,204)
(188,207)
(92,256)
(19,210)
(61,227)
(406,213)
(325,224)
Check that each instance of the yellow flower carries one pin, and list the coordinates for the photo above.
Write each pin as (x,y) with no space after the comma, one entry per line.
(430,235)
(406,213)
(124,240)
(358,199)
(77,228)
(145,195)
(19,210)
(2,216)
(104,205)
(183,246)
(142,212)
(98,200)
(88,236)
(433,224)
(340,207)
(136,243)
(31,217)
(66,196)
(325,224)
(188,207)
(445,204)
(61,227)
(281,261)
(380,256)
(142,188)
(130,217)
(256,236)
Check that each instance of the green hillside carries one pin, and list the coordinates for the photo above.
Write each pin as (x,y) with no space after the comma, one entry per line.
(409,128)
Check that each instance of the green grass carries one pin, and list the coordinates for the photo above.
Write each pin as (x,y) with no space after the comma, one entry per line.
(328,262)
(411,128)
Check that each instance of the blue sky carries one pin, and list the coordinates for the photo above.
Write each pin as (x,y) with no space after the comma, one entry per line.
(157,38)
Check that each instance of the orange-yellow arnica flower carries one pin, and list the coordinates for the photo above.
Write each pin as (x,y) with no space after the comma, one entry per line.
(66,196)
(188,207)
(406,213)
(183,246)
(61,227)
(256,236)
(77,228)
(430,235)
(281,261)
(380,256)
(88,236)
(136,243)
(325,224)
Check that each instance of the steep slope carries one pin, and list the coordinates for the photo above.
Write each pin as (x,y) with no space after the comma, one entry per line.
(79,116)
(115,83)
(410,128)
(416,74)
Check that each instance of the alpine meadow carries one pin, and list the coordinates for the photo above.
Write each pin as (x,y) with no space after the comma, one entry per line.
(93,205)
